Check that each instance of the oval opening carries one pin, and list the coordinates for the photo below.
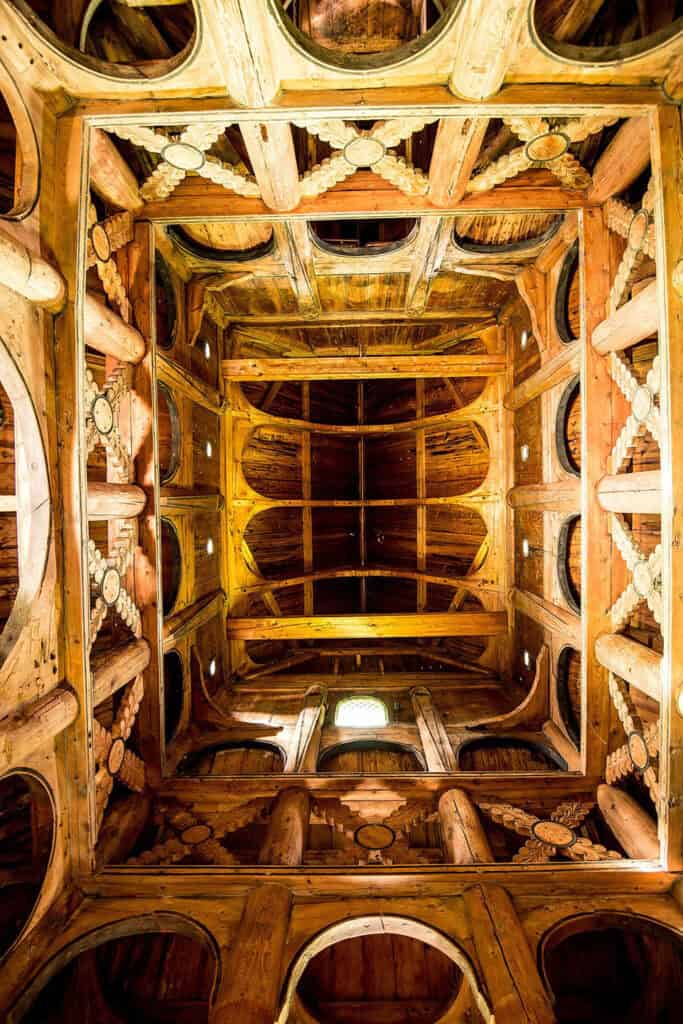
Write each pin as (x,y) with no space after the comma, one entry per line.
(168,433)
(19,154)
(569,692)
(513,233)
(26,842)
(171,565)
(370,757)
(116,39)
(605,33)
(250,757)
(387,978)
(166,305)
(372,236)
(174,693)
(569,562)
(157,969)
(568,428)
(507,754)
(613,967)
(568,297)
(224,243)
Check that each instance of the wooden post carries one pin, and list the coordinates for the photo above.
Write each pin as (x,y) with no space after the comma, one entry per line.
(29,275)
(632,826)
(288,830)
(435,742)
(631,492)
(252,973)
(302,755)
(631,661)
(107,333)
(35,726)
(463,835)
(515,988)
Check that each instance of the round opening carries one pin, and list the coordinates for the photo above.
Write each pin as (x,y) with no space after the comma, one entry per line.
(174,693)
(166,306)
(569,562)
(171,565)
(568,428)
(26,840)
(615,968)
(384,978)
(168,433)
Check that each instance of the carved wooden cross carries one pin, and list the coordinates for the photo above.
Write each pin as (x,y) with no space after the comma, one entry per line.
(107,574)
(182,153)
(195,836)
(641,751)
(646,576)
(112,757)
(644,415)
(637,227)
(549,836)
(101,419)
(104,238)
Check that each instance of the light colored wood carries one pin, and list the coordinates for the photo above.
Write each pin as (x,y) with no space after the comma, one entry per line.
(633,827)
(425,624)
(113,669)
(250,984)
(362,368)
(624,160)
(628,493)
(631,661)
(563,745)
(556,370)
(30,275)
(34,726)
(110,501)
(302,753)
(489,30)
(558,620)
(436,746)
(107,333)
(296,251)
(561,496)
(455,152)
(462,832)
(287,835)
(112,178)
(271,151)
(512,979)
(636,320)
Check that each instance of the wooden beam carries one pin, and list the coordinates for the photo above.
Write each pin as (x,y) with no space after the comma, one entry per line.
(110,176)
(302,753)
(631,661)
(631,492)
(369,317)
(287,836)
(560,496)
(506,961)
(636,320)
(556,370)
(433,239)
(296,251)
(563,745)
(462,832)
(437,748)
(363,367)
(550,616)
(107,333)
(624,160)
(115,501)
(426,624)
(35,726)
(271,152)
(29,275)
(455,152)
(635,830)
(188,620)
(486,46)
(113,669)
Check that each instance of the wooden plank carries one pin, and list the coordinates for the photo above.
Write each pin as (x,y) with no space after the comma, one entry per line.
(556,370)
(295,249)
(550,616)
(171,372)
(344,317)
(456,149)
(425,624)
(560,496)
(363,367)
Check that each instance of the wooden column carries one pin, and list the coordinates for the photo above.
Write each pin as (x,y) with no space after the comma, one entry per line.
(302,755)
(463,836)
(631,661)
(112,669)
(35,726)
(515,989)
(596,445)
(636,320)
(252,971)
(436,745)
(107,333)
(29,275)
(115,501)
(288,830)
(631,492)
(632,826)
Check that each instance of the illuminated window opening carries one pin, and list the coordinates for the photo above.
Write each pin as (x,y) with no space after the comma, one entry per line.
(361,713)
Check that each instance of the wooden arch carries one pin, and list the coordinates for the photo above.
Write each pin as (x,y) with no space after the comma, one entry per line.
(27,187)
(387,924)
(162,922)
(32,501)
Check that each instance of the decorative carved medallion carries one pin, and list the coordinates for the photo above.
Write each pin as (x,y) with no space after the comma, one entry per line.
(100,243)
(102,415)
(553,833)
(375,836)
(547,147)
(183,156)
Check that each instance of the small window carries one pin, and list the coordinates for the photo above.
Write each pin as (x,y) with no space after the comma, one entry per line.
(361,713)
